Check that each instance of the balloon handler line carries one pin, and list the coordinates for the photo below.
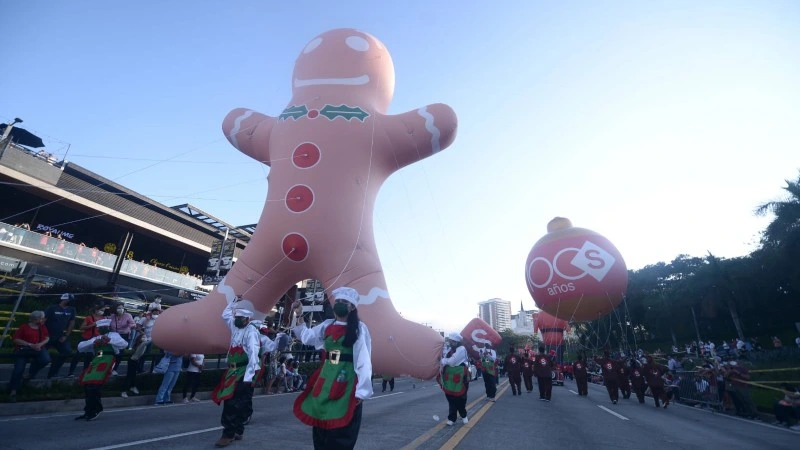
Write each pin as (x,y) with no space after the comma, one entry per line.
(285,257)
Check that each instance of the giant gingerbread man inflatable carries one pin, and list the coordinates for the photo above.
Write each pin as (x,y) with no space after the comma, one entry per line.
(329,152)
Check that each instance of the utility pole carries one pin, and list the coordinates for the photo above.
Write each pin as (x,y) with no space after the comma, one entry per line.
(27,283)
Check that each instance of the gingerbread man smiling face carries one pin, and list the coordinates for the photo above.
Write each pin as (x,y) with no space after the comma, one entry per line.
(329,152)
(348,64)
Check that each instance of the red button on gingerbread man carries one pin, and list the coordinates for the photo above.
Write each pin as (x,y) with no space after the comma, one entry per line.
(329,152)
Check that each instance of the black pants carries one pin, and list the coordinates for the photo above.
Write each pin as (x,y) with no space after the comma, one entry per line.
(639,390)
(64,352)
(625,387)
(490,384)
(515,380)
(613,389)
(659,395)
(456,406)
(583,385)
(391,384)
(528,379)
(192,381)
(545,387)
(338,438)
(130,376)
(92,394)
(237,409)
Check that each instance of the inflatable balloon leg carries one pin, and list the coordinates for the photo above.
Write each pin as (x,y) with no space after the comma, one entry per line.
(552,328)
(575,274)
(329,152)
(476,335)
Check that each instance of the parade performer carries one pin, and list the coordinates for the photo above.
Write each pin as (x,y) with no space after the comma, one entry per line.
(454,378)
(653,373)
(332,400)
(581,375)
(387,379)
(609,368)
(235,389)
(637,380)
(489,368)
(266,345)
(527,371)
(513,366)
(623,379)
(543,368)
(104,346)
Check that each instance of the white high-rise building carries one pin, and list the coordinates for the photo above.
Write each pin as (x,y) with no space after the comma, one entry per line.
(496,312)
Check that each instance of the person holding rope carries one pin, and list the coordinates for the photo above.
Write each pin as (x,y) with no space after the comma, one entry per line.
(454,379)
(513,367)
(637,380)
(489,368)
(623,378)
(609,368)
(333,399)
(653,373)
(581,375)
(235,389)
(543,368)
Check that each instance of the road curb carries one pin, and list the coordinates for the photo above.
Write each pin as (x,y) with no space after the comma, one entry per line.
(77,404)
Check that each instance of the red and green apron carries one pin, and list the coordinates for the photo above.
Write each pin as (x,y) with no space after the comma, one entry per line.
(100,367)
(453,380)
(329,398)
(237,366)
(489,366)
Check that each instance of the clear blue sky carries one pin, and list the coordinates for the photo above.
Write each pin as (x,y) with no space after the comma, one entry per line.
(661,125)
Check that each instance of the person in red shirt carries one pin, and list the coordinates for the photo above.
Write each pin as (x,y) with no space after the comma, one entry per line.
(513,366)
(637,380)
(609,368)
(581,376)
(623,379)
(543,368)
(653,373)
(527,372)
(29,340)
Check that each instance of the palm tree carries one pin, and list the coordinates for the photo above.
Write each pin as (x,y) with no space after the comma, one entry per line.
(784,230)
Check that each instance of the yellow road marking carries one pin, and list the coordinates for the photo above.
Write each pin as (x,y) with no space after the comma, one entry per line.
(456,439)
(430,433)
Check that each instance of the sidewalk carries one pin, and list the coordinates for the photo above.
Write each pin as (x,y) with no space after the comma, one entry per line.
(76,404)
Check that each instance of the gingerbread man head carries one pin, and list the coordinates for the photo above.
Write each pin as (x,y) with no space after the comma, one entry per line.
(345,65)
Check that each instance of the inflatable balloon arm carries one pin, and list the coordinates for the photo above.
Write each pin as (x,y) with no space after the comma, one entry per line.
(417,134)
(249,132)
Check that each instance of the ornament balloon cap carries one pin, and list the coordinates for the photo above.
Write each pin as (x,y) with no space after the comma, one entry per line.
(558,223)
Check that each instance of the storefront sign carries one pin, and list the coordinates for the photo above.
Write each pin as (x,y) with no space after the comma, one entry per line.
(45,228)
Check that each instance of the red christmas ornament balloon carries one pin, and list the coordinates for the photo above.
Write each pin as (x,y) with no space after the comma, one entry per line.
(575,273)
(552,328)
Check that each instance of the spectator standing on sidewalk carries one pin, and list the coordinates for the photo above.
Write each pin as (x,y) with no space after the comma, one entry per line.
(60,320)
(105,347)
(30,340)
(192,380)
(164,394)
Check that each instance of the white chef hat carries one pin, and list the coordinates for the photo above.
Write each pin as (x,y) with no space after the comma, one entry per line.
(104,323)
(243,313)
(453,336)
(347,294)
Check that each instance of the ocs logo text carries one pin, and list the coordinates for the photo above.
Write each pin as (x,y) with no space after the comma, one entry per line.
(590,259)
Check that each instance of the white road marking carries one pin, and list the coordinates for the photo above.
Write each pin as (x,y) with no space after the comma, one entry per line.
(612,412)
(572,391)
(387,395)
(162,438)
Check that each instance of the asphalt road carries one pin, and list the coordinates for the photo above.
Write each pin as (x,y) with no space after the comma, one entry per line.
(405,419)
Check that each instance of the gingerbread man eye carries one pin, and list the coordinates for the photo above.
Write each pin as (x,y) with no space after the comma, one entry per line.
(312,45)
(357,43)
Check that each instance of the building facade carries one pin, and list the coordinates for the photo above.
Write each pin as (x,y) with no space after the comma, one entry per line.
(496,312)
(522,321)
